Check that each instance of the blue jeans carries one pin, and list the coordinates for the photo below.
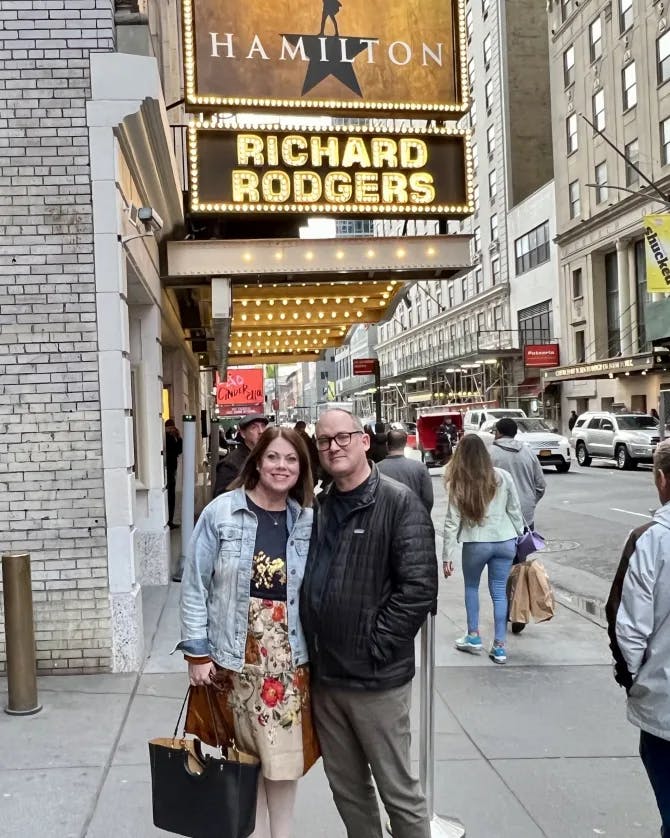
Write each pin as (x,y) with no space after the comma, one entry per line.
(498,556)
(655,755)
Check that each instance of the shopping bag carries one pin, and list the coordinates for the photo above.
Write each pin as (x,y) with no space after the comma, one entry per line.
(199,795)
(518,594)
(540,593)
(528,543)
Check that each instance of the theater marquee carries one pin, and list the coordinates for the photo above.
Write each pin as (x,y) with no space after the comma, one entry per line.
(341,170)
(361,56)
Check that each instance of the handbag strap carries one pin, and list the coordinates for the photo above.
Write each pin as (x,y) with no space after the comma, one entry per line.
(211,711)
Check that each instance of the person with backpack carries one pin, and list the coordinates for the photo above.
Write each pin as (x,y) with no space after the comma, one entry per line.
(638,618)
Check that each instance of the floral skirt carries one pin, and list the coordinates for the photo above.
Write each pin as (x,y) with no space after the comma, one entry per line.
(265,708)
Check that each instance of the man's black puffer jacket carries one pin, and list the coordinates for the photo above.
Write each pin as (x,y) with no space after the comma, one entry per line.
(362,608)
(229,467)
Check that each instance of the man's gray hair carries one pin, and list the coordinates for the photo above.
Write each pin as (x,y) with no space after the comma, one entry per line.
(355,421)
(662,457)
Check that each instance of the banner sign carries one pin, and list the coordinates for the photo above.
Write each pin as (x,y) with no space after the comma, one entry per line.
(364,366)
(340,170)
(541,355)
(361,56)
(601,369)
(657,252)
(242,392)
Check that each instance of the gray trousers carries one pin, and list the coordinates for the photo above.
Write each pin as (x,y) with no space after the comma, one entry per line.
(365,734)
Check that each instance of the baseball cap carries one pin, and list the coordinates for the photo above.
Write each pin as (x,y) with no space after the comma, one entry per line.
(253,417)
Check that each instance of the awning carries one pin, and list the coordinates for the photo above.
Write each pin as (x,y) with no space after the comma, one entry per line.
(607,368)
(417,398)
(530,388)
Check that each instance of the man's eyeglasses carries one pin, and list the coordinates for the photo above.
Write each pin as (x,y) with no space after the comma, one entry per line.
(343,439)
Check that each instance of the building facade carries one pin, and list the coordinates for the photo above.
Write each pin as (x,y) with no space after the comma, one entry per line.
(610,63)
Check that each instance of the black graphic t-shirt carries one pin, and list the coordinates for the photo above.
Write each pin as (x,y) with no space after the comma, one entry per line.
(268,571)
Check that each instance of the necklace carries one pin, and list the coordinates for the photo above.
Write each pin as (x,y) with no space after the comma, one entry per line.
(276,521)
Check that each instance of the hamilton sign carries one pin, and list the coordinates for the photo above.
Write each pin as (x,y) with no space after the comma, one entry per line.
(340,170)
(366,56)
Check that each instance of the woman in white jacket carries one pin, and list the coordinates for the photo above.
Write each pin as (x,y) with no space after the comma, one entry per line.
(484,515)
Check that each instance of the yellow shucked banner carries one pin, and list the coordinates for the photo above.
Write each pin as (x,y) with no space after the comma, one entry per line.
(657,252)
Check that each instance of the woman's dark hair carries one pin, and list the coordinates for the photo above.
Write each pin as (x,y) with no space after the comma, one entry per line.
(471,479)
(303,491)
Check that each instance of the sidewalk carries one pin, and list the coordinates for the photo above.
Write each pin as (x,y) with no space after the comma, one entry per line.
(540,747)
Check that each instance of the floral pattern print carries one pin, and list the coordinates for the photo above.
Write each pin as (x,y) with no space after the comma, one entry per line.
(268,573)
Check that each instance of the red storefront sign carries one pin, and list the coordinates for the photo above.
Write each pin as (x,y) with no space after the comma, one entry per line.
(541,355)
(364,366)
(242,392)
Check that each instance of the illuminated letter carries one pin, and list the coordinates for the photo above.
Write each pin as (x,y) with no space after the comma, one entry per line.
(257,46)
(370,43)
(324,54)
(408,53)
(367,187)
(384,150)
(343,52)
(287,49)
(272,150)
(355,152)
(436,56)
(291,158)
(276,186)
(313,192)
(413,153)
(227,43)
(250,148)
(331,150)
(423,191)
(245,187)
(394,188)
(337,187)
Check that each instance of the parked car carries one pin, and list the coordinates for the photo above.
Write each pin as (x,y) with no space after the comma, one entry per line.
(627,438)
(550,448)
(410,429)
(475,419)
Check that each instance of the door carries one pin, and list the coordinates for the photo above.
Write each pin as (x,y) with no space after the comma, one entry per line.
(594,436)
(606,438)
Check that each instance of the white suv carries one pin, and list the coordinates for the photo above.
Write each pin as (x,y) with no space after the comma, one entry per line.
(474,419)
(627,438)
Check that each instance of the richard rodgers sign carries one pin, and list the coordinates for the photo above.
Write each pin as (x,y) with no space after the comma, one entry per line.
(336,171)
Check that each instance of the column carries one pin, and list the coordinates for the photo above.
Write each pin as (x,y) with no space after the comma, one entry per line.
(634,314)
(624,297)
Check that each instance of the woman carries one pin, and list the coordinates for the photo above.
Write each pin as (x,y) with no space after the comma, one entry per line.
(240,625)
(485,516)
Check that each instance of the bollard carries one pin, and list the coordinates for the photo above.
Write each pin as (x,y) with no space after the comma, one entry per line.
(19,635)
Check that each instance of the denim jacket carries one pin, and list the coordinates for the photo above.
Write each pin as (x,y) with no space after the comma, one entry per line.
(215,586)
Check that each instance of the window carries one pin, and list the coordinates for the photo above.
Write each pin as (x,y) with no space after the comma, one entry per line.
(450,294)
(629,86)
(353,228)
(494,227)
(481,322)
(598,102)
(532,249)
(577,290)
(601,181)
(632,152)
(493,185)
(487,51)
(573,197)
(569,66)
(473,114)
(468,23)
(488,95)
(536,323)
(580,347)
(612,304)
(625,15)
(485,8)
(567,8)
(663,57)
(490,140)
(498,317)
(475,197)
(471,72)
(477,239)
(475,157)
(464,288)
(495,271)
(479,281)
(571,137)
(665,141)
(596,39)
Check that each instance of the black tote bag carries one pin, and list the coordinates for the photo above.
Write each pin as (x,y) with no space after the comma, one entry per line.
(201,796)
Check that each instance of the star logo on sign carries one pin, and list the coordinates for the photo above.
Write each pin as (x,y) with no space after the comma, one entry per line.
(330,55)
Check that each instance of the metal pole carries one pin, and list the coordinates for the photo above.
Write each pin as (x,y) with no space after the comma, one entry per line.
(19,635)
(187,490)
(440,827)
(378,392)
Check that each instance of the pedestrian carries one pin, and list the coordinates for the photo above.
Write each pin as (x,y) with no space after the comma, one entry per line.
(445,440)
(240,624)
(572,420)
(229,467)
(638,617)
(378,449)
(410,472)
(484,514)
(370,582)
(653,412)
(173,449)
(516,457)
(300,427)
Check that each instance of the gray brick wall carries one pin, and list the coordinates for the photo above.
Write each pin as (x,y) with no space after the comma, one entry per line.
(51,482)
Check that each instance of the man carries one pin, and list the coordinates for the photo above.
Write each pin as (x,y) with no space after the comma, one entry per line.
(378,449)
(173,449)
(445,439)
(370,582)
(572,420)
(517,458)
(301,428)
(638,617)
(411,473)
(250,428)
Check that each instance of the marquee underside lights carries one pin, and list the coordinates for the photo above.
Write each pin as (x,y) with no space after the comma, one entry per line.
(341,170)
